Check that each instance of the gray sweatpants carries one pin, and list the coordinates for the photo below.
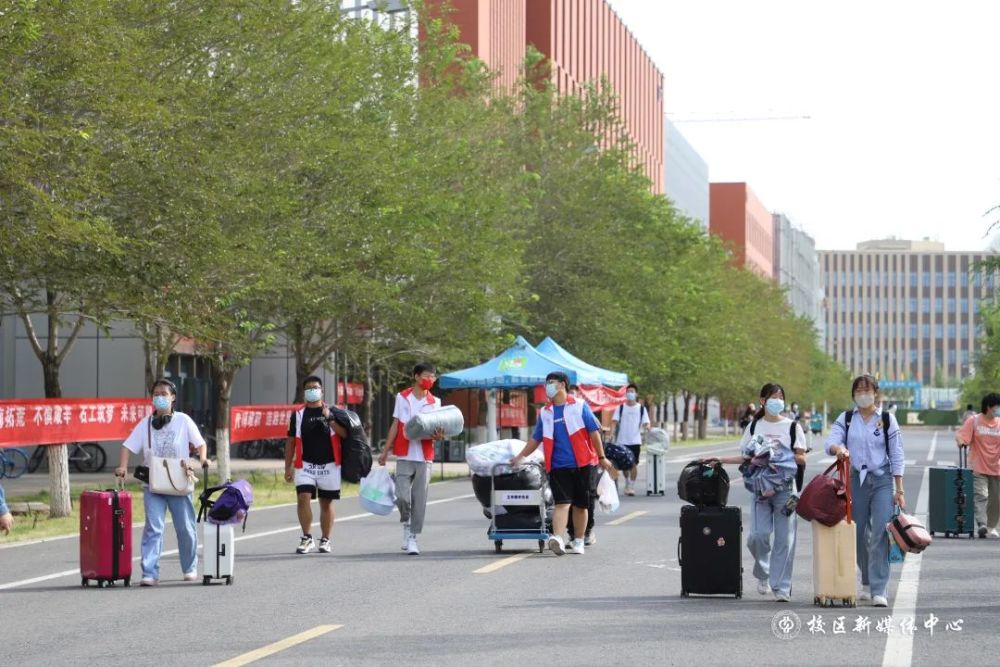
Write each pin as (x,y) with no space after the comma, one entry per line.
(987,499)
(412,481)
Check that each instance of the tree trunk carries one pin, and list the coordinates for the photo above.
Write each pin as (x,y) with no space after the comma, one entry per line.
(687,415)
(673,401)
(60,500)
(369,395)
(703,418)
(223,379)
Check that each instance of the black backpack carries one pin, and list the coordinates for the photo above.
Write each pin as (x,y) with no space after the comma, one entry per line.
(703,485)
(355,453)
(885,427)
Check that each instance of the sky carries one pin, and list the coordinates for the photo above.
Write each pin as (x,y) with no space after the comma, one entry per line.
(903,103)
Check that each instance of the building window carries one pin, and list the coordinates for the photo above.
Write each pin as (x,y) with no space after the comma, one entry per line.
(951,331)
(951,279)
(913,330)
(925,330)
(913,304)
(964,331)
(927,280)
(913,279)
(963,279)
(925,305)
(952,304)
(938,305)
(939,280)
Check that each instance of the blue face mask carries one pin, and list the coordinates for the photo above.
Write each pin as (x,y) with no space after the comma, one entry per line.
(996,412)
(774,406)
(630,395)
(161,403)
(313,395)
(551,389)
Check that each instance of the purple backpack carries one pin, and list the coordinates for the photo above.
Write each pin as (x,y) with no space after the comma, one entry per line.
(232,505)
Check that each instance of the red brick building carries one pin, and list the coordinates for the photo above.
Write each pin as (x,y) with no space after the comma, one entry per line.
(584,40)
(738,217)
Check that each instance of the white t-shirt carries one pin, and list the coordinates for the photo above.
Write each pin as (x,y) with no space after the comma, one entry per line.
(775,436)
(630,426)
(170,442)
(411,405)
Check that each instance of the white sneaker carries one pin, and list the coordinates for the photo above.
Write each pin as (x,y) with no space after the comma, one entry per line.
(879,601)
(865,594)
(576,546)
(763,587)
(590,540)
(781,596)
(191,576)
(306,544)
(556,545)
(411,546)
(406,537)
(324,545)
(993,533)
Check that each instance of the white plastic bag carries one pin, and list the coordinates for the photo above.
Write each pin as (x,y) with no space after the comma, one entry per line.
(657,441)
(378,492)
(607,494)
(482,458)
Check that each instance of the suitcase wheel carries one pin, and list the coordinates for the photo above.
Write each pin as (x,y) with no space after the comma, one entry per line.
(684,593)
(498,545)
(932,533)
(229,580)
(541,546)
(205,581)
(128,582)
(739,596)
(85,582)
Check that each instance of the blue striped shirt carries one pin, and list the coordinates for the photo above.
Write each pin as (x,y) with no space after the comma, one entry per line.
(866,442)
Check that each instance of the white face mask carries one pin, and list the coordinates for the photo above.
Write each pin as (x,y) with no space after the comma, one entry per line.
(551,389)
(313,395)
(865,400)
(630,395)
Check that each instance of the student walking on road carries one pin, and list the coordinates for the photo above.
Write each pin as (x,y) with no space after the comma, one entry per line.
(873,443)
(630,420)
(571,437)
(168,434)
(981,434)
(312,460)
(775,445)
(413,457)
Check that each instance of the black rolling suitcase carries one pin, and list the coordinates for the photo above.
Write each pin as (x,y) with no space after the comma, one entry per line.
(708,551)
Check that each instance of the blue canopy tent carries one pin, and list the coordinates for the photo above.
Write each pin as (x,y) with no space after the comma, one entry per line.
(585,373)
(519,366)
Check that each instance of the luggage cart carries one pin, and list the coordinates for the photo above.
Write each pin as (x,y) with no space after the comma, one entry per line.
(526,497)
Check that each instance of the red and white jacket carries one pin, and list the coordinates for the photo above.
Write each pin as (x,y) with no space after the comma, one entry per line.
(401,445)
(579,436)
(334,440)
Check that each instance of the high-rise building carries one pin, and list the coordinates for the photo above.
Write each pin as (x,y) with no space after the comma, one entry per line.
(584,41)
(908,310)
(740,219)
(796,268)
(685,176)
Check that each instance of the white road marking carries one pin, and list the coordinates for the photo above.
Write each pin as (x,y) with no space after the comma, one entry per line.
(946,464)
(627,517)
(76,572)
(933,449)
(899,645)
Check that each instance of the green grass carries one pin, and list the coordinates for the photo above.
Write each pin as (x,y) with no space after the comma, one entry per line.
(269,488)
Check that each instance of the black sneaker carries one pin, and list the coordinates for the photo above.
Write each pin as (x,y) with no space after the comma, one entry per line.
(982,532)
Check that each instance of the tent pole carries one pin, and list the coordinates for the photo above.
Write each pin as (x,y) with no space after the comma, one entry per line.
(491,415)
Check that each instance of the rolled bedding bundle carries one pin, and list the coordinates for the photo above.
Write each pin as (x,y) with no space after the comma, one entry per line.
(423,425)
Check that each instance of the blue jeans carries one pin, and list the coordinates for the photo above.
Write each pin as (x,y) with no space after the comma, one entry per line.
(182,512)
(766,518)
(872,509)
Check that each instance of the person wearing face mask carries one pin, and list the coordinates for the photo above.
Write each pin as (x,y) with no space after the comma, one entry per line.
(413,457)
(876,459)
(778,442)
(169,434)
(312,460)
(630,420)
(571,437)
(981,434)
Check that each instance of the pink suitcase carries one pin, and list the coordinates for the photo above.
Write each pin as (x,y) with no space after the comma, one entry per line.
(105,537)
(911,536)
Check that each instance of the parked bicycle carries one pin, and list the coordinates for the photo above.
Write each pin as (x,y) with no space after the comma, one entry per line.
(255,449)
(85,457)
(13,462)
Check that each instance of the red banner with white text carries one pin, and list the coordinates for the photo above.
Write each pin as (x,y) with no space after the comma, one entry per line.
(515,411)
(597,396)
(259,422)
(48,421)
